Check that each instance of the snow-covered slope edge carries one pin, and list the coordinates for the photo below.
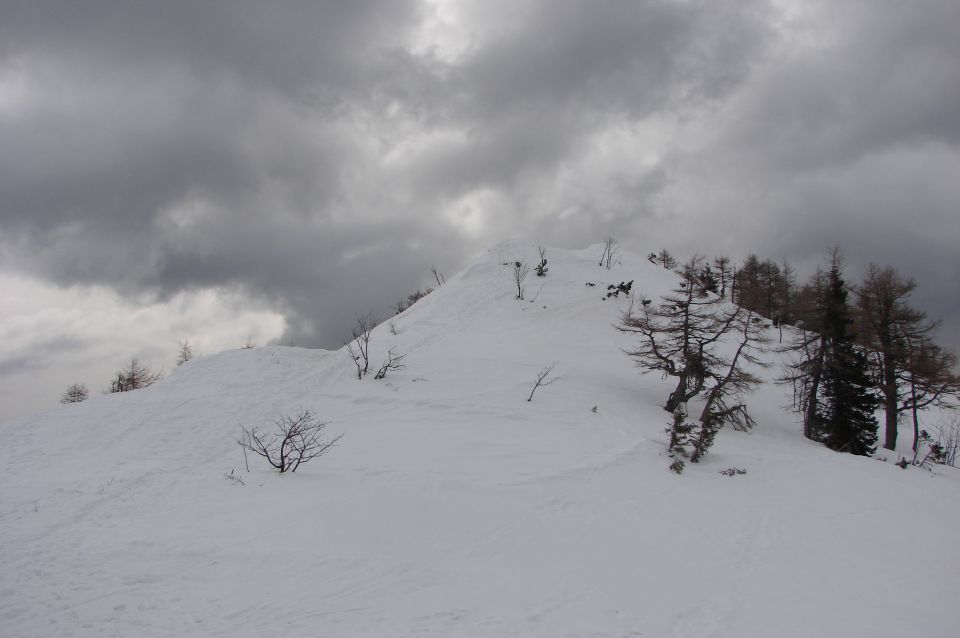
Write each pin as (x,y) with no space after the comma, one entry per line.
(455,507)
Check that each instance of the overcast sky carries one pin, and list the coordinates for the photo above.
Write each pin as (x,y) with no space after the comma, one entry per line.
(217,170)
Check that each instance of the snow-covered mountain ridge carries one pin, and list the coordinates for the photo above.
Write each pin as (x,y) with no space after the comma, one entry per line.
(454,507)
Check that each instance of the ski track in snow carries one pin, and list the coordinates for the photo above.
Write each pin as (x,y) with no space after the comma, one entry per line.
(454,507)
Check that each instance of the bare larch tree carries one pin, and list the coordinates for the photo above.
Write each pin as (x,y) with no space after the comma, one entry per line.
(76,393)
(358,349)
(680,338)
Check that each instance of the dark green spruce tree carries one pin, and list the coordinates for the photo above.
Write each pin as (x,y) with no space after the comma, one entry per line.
(849,403)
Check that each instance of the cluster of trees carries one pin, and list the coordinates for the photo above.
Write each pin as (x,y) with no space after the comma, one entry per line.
(765,287)
(860,346)
(411,299)
(866,336)
(133,376)
(856,349)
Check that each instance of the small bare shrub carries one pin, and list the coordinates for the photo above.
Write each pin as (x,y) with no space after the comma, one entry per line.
(733,471)
(542,379)
(541,268)
(609,252)
(520,272)
(358,348)
(948,437)
(295,440)
(392,363)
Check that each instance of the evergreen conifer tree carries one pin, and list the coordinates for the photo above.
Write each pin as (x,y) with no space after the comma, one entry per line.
(848,419)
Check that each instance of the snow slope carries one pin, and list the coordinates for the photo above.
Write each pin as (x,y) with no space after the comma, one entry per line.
(452,506)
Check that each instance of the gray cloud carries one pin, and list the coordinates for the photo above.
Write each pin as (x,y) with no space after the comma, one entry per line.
(317,157)
(33,355)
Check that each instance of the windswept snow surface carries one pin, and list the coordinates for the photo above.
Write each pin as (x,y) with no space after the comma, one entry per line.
(452,506)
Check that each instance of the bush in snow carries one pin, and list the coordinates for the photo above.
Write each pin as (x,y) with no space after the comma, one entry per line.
(392,363)
(614,291)
(541,268)
(76,393)
(295,440)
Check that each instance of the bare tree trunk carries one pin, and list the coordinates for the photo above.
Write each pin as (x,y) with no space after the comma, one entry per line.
(677,396)
(890,401)
(816,374)
(916,420)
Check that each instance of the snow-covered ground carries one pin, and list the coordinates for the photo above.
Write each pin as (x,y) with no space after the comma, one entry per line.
(454,507)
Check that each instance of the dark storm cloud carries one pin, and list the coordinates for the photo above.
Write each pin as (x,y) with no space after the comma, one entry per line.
(32,354)
(310,154)
(851,136)
(560,71)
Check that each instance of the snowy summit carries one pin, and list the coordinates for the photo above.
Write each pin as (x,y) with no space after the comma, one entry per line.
(453,505)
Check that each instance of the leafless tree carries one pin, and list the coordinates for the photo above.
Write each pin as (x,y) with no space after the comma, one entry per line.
(680,338)
(249,345)
(888,327)
(807,351)
(542,379)
(722,265)
(358,348)
(393,362)
(520,272)
(666,259)
(76,393)
(609,252)
(133,377)
(295,440)
(947,434)
(928,380)
(185,353)
(724,401)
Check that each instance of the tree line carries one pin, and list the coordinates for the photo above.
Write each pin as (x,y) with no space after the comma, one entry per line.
(856,347)
(851,349)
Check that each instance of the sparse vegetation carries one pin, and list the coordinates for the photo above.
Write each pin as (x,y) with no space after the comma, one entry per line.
(392,363)
(133,377)
(542,379)
(609,252)
(541,268)
(295,440)
(733,471)
(358,349)
(520,272)
(185,352)
(76,393)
